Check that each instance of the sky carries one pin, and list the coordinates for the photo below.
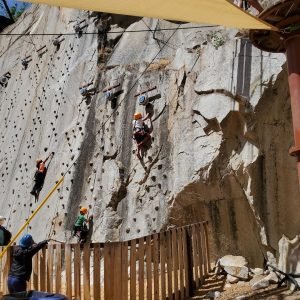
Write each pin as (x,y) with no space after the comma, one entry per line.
(11,3)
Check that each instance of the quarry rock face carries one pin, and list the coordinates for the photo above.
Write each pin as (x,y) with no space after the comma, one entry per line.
(221,131)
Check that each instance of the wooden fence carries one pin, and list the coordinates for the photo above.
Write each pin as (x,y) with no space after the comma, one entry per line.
(166,265)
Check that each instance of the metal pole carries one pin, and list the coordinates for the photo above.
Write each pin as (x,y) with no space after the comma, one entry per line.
(8,10)
(292,44)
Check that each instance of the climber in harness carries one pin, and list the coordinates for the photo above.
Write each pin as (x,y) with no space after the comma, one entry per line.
(78,28)
(57,41)
(141,133)
(5,235)
(39,176)
(25,61)
(21,268)
(4,79)
(80,229)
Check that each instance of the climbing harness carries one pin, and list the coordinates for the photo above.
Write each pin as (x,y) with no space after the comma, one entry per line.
(109,95)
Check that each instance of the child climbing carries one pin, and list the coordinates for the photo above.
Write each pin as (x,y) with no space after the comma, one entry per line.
(80,227)
(21,268)
(5,235)
(141,133)
(78,28)
(39,176)
(57,41)
(25,61)
(4,79)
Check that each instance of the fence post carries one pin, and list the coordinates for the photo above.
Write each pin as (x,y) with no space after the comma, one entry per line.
(190,279)
(207,246)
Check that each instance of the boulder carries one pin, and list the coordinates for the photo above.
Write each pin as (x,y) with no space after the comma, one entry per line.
(257,271)
(235,266)
(259,282)
(231,279)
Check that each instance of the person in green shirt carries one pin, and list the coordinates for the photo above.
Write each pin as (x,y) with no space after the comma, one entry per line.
(80,226)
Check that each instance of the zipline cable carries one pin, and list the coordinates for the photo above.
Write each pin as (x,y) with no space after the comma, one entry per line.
(113,32)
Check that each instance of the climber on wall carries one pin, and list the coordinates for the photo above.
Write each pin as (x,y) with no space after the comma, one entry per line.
(39,176)
(25,61)
(21,268)
(141,132)
(57,41)
(5,235)
(4,79)
(78,28)
(80,228)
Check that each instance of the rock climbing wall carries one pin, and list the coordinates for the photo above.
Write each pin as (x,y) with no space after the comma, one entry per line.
(221,131)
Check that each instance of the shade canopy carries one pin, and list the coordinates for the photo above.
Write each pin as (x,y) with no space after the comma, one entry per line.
(217,12)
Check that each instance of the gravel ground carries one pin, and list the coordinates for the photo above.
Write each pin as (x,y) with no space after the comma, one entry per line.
(242,291)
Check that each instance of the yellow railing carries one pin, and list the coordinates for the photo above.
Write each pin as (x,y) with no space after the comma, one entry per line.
(166,265)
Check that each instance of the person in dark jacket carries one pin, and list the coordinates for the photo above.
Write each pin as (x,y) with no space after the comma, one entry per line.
(5,235)
(21,267)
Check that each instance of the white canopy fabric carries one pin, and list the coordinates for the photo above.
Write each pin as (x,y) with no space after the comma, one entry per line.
(217,12)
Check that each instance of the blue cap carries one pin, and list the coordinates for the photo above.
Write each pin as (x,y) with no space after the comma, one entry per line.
(26,241)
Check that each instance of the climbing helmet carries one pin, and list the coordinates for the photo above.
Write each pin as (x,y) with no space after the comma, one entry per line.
(83,210)
(26,241)
(137,116)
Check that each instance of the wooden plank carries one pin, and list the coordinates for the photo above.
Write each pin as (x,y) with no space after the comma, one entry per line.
(195,256)
(1,273)
(124,294)
(149,267)
(43,269)
(68,259)
(175,263)
(200,249)
(58,268)
(96,272)
(35,272)
(155,266)
(203,250)
(86,272)
(141,254)
(207,246)
(162,240)
(108,272)
(186,262)
(180,263)
(8,257)
(133,270)
(117,270)
(169,263)
(77,269)
(50,268)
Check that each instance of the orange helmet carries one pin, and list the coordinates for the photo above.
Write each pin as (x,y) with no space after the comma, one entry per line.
(137,116)
(83,210)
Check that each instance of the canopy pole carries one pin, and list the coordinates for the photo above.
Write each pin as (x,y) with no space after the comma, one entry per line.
(32,216)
